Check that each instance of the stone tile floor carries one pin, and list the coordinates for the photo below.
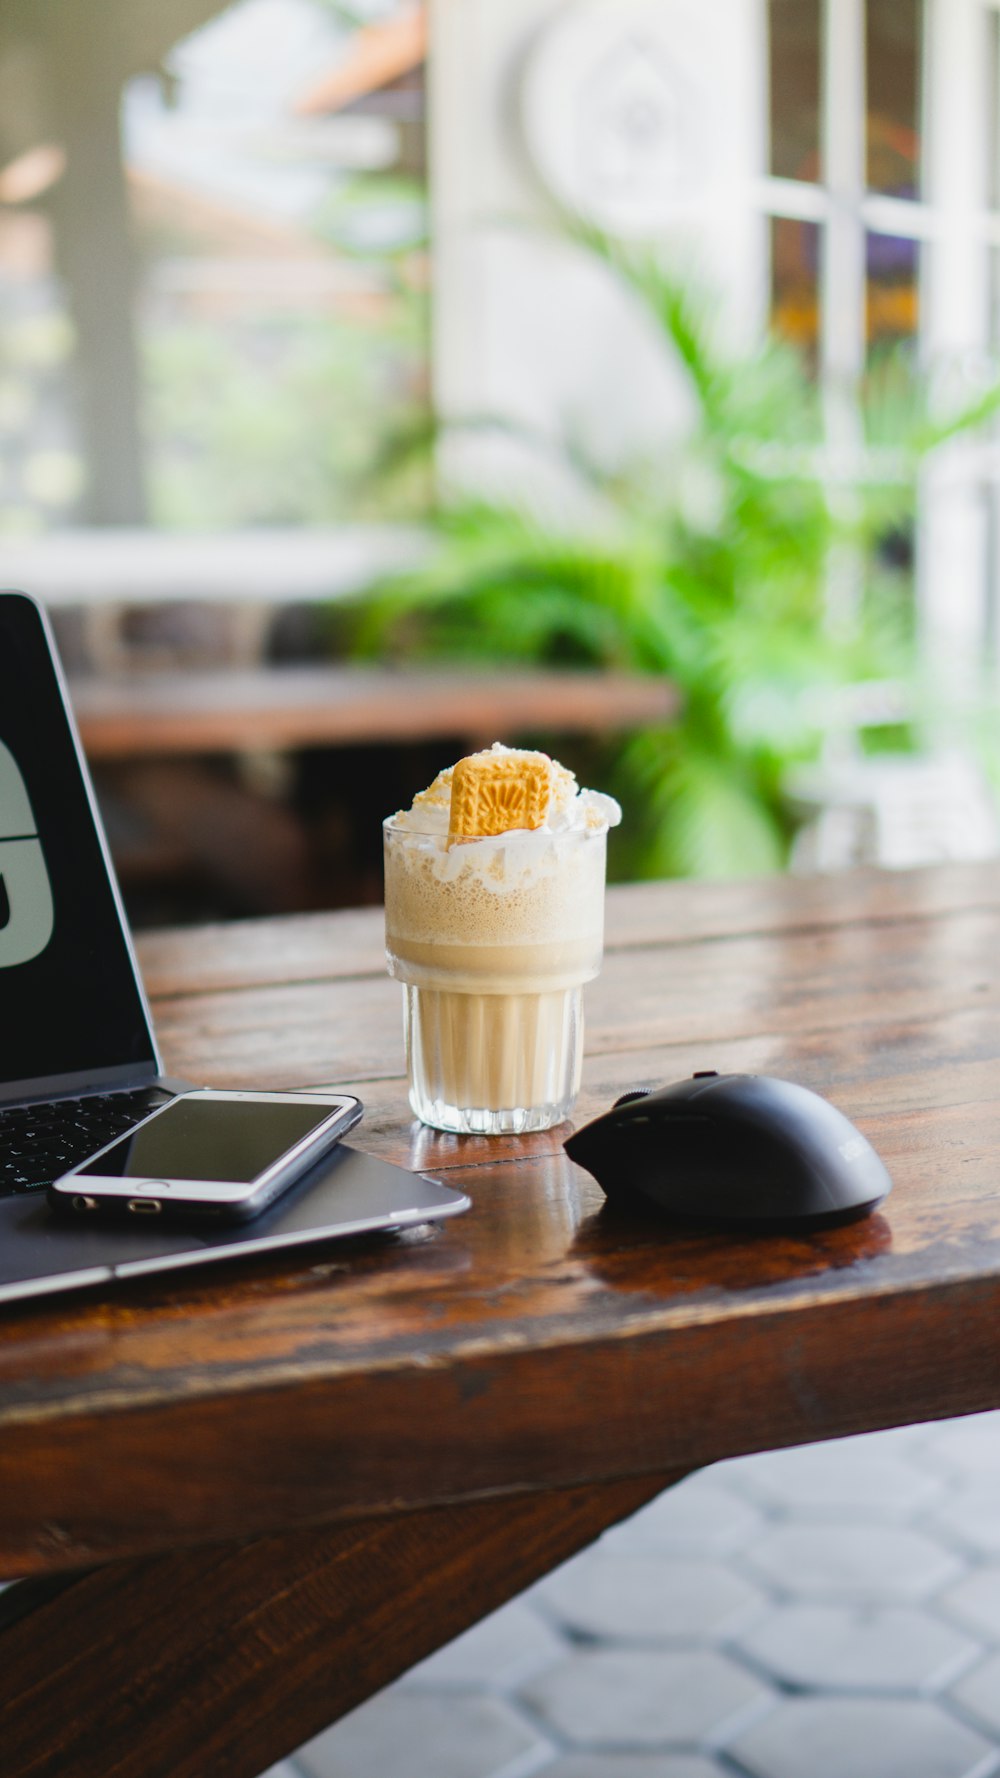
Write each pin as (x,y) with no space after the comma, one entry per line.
(829,1612)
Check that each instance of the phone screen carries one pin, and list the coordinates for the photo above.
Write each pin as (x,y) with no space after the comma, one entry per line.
(229,1140)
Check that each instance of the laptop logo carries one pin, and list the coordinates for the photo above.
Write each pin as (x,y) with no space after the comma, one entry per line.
(27,915)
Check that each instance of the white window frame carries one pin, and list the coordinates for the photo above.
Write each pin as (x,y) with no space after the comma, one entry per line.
(958,553)
(478,172)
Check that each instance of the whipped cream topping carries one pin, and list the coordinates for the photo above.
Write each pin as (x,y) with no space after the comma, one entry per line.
(571,810)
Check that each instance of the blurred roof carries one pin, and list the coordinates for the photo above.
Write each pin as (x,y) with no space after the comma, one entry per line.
(126,36)
(379,56)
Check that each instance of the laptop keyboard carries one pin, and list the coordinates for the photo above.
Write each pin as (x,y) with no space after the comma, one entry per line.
(39,1142)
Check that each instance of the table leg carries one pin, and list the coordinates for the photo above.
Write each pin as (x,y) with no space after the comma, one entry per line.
(216,1661)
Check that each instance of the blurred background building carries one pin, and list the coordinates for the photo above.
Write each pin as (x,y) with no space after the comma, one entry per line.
(270,270)
(196,333)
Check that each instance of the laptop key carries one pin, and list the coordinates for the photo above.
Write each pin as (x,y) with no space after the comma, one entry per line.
(27,1180)
(39,1142)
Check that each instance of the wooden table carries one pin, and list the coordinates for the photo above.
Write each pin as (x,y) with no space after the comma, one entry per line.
(254,1498)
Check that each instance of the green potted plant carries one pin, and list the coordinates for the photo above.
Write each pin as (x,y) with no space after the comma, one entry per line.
(707,563)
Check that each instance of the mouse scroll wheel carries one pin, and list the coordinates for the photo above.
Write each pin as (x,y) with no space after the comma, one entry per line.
(630,1098)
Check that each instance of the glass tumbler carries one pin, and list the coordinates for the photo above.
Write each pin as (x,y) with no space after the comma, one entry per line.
(493,940)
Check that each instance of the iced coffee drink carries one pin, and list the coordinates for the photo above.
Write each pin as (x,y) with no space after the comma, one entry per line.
(494,905)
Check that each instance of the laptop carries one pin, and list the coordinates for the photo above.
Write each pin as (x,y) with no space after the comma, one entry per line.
(78,1057)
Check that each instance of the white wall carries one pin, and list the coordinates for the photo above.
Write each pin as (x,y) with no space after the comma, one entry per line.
(526,327)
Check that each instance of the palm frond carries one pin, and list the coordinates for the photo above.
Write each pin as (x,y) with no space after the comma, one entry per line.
(705,564)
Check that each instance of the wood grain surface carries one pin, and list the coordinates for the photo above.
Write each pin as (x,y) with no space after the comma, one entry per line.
(540,1341)
(217,1662)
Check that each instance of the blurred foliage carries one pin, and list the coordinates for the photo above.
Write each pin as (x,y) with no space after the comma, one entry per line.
(707,562)
(263,417)
(384,217)
(40,473)
(276,420)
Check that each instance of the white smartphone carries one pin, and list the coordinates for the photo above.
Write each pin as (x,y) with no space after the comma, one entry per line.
(209,1153)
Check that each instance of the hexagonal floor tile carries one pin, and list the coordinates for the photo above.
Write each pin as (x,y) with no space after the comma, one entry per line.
(851,1648)
(697,1518)
(409,1734)
(901,1441)
(861,1738)
(847,1475)
(881,1563)
(964,1447)
(499,1652)
(975,1601)
(971,1516)
(979,1693)
(640,1699)
(627,1765)
(647,1596)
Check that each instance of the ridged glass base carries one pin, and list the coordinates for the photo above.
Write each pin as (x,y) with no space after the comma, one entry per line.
(493,1064)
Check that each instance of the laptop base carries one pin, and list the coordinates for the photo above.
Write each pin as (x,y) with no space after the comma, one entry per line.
(347,1193)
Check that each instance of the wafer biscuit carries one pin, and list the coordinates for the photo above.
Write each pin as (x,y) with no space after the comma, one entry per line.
(495,791)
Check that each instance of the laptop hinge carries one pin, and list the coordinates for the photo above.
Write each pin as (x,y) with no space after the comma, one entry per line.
(90,1080)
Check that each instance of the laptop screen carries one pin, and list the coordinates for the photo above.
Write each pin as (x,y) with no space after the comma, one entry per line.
(69,1000)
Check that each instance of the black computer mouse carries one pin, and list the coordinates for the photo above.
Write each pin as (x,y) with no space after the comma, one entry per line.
(742,1150)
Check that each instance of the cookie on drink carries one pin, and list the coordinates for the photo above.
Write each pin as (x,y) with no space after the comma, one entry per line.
(497,791)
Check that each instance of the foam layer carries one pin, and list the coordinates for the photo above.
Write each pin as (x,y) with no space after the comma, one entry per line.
(514,890)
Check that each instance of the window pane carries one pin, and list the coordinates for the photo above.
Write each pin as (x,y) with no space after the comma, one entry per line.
(993,297)
(991,500)
(993,109)
(893,287)
(794,58)
(892,51)
(795,261)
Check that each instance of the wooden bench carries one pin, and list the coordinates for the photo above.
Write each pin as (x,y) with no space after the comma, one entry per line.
(285,707)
